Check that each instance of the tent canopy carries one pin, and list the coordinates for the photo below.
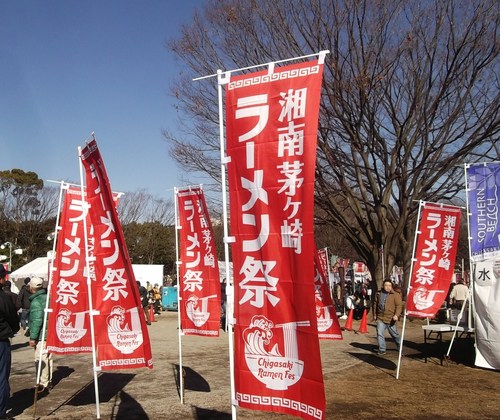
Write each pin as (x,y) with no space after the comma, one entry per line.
(39,267)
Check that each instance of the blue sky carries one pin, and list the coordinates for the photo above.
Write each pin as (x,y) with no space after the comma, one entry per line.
(69,68)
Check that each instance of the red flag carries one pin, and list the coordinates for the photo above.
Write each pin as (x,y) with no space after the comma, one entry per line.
(271,143)
(326,315)
(199,279)
(122,337)
(323,261)
(434,259)
(68,327)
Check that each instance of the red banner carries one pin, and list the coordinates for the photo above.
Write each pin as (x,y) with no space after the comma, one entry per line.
(199,280)
(322,255)
(68,326)
(326,315)
(122,338)
(434,259)
(271,143)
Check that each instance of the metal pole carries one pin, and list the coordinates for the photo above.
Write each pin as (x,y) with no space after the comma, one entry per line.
(92,312)
(471,265)
(223,79)
(417,232)
(177,263)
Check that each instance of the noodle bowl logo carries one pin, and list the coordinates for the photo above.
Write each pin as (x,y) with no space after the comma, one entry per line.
(323,317)
(123,337)
(69,326)
(264,358)
(424,299)
(197,309)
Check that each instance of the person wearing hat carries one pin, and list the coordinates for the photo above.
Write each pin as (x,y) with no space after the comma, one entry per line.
(9,325)
(38,301)
(23,303)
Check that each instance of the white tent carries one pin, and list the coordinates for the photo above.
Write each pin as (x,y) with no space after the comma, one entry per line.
(39,267)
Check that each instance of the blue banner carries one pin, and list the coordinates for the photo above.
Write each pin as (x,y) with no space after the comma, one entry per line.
(484,186)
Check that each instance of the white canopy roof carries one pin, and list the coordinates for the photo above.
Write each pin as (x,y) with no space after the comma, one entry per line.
(39,267)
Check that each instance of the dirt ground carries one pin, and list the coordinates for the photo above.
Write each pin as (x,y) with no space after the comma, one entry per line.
(358,383)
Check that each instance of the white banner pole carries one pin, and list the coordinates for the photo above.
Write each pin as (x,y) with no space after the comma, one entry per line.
(469,240)
(417,232)
(177,227)
(43,349)
(469,298)
(321,55)
(92,313)
(223,79)
(459,318)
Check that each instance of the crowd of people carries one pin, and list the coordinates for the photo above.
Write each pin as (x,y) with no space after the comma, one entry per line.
(357,296)
(25,311)
(150,299)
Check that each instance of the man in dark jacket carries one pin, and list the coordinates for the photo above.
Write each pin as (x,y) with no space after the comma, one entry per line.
(7,289)
(143,293)
(38,337)
(9,325)
(23,303)
(389,306)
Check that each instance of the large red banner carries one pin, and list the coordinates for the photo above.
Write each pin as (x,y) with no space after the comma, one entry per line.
(199,280)
(326,315)
(68,326)
(434,259)
(271,145)
(122,338)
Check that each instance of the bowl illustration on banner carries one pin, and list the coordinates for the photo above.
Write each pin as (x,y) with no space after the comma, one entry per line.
(69,326)
(323,317)
(122,337)
(197,309)
(263,357)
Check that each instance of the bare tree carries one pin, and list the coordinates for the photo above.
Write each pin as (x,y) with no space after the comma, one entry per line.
(132,206)
(140,206)
(410,94)
(27,211)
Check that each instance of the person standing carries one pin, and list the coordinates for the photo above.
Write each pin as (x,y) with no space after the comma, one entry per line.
(458,295)
(143,293)
(23,303)
(156,299)
(38,301)
(9,325)
(389,306)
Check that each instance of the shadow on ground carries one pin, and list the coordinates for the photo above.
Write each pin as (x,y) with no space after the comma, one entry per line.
(20,401)
(378,361)
(60,373)
(24,399)
(205,414)
(19,346)
(193,381)
(128,408)
(110,384)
